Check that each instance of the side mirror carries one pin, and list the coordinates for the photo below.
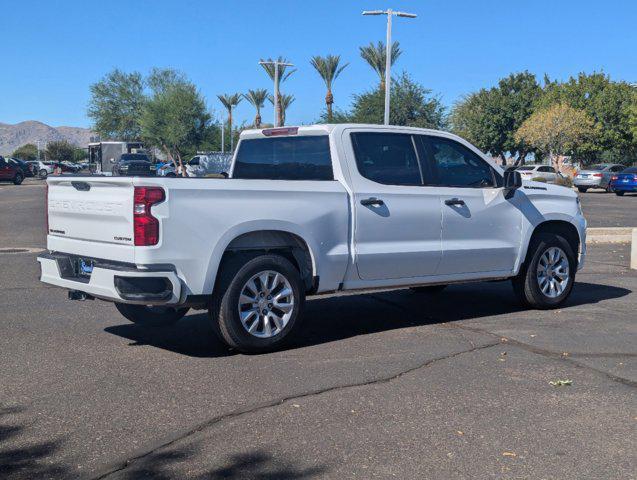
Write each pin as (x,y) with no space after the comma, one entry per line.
(512,180)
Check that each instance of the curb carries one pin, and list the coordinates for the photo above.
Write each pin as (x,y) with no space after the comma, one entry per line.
(609,235)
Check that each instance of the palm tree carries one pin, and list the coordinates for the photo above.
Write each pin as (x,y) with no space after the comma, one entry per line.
(375,55)
(329,70)
(284,74)
(230,101)
(257,99)
(284,102)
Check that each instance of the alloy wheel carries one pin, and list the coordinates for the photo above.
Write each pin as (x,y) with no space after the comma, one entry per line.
(553,272)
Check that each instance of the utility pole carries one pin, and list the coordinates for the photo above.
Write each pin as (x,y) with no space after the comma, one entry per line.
(390,13)
(276,64)
(223,137)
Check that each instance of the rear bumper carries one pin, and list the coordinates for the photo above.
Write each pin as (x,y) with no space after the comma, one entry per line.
(624,187)
(587,182)
(117,282)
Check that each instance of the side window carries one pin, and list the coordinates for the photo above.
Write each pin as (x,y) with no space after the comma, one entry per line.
(387,158)
(550,169)
(545,169)
(284,158)
(616,169)
(194,161)
(457,166)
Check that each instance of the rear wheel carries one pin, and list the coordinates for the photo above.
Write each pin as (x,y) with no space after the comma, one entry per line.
(620,194)
(17,180)
(150,315)
(257,302)
(582,189)
(547,276)
(609,189)
(429,289)
(43,173)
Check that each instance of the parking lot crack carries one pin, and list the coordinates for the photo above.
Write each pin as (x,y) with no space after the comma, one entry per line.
(122,465)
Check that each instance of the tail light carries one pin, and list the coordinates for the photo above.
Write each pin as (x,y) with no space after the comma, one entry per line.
(614,177)
(598,175)
(635,178)
(146,226)
(276,132)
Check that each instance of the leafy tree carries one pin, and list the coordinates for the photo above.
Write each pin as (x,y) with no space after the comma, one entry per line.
(60,151)
(26,152)
(161,79)
(257,100)
(608,103)
(376,55)
(175,120)
(284,74)
(411,105)
(229,102)
(116,104)
(558,130)
(329,69)
(80,154)
(490,118)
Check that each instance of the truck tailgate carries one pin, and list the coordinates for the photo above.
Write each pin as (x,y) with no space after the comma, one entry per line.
(91,209)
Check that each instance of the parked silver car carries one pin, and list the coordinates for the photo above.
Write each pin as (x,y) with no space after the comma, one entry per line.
(530,172)
(597,176)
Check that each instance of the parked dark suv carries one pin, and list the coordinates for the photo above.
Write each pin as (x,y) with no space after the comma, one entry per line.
(10,171)
(134,164)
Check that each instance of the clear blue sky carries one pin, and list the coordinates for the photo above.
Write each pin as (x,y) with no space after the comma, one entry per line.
(51,51)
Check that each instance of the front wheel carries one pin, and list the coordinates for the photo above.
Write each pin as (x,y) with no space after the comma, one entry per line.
(546,278)
(257,302)
(620,194)
(17,180)
(581,189)
(43,173)
(150,315)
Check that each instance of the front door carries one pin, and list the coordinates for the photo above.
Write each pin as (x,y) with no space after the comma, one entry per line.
(5,169)
(481,229)
(396,218)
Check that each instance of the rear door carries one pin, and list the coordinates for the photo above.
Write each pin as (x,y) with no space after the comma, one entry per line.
(481,229)
(396,218)
(99,210)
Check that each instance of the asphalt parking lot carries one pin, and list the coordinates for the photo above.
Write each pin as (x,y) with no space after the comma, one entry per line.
(383,385)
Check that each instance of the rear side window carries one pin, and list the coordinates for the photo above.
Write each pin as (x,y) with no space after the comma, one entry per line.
(387,158)
(457,166)
(284,158)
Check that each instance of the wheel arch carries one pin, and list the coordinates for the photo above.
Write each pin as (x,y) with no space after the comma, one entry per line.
(282,239)
(561,227)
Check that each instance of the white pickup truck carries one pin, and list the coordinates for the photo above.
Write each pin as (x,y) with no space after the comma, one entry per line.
(310,210)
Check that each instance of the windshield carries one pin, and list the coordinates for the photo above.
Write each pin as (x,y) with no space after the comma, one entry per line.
(526,168)
(134,156)
(596,167)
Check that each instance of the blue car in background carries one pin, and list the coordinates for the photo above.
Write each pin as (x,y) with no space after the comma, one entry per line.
(624,181)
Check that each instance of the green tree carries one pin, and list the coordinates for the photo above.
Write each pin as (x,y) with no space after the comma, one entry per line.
(26,152)
(557,130)
(160,79)
(376,55)
(116,105)
(229,102)
(490,118)
(257,100)
(411,105)
(80,154)
(60,151)
(175,120)
(285,101)
(284,74)
(608,103)
(329,69)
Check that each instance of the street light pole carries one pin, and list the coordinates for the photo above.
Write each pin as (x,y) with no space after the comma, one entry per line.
(390,13)
(276,64)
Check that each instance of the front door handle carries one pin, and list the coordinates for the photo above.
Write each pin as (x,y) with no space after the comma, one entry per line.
(454,201)
(372,201)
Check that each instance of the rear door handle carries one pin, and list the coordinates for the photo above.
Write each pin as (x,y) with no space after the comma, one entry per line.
(454,201)
(372,201)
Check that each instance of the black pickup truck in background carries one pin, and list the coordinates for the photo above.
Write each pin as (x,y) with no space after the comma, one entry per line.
(134,164)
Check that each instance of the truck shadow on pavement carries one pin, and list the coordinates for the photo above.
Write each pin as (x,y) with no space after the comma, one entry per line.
(328,319)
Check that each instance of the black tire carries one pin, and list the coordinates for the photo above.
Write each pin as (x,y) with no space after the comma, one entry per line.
(224,306)
(429,289)
(609,189)
(582,189)
(151,316)
(17,180)
(620,194)
(43,173)
(526,284)
(171,175)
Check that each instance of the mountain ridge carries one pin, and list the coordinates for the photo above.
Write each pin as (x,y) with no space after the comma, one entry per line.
(13,136)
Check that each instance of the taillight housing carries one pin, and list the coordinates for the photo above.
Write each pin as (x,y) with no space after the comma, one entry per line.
(598,175)
(614,177)
(145,226)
